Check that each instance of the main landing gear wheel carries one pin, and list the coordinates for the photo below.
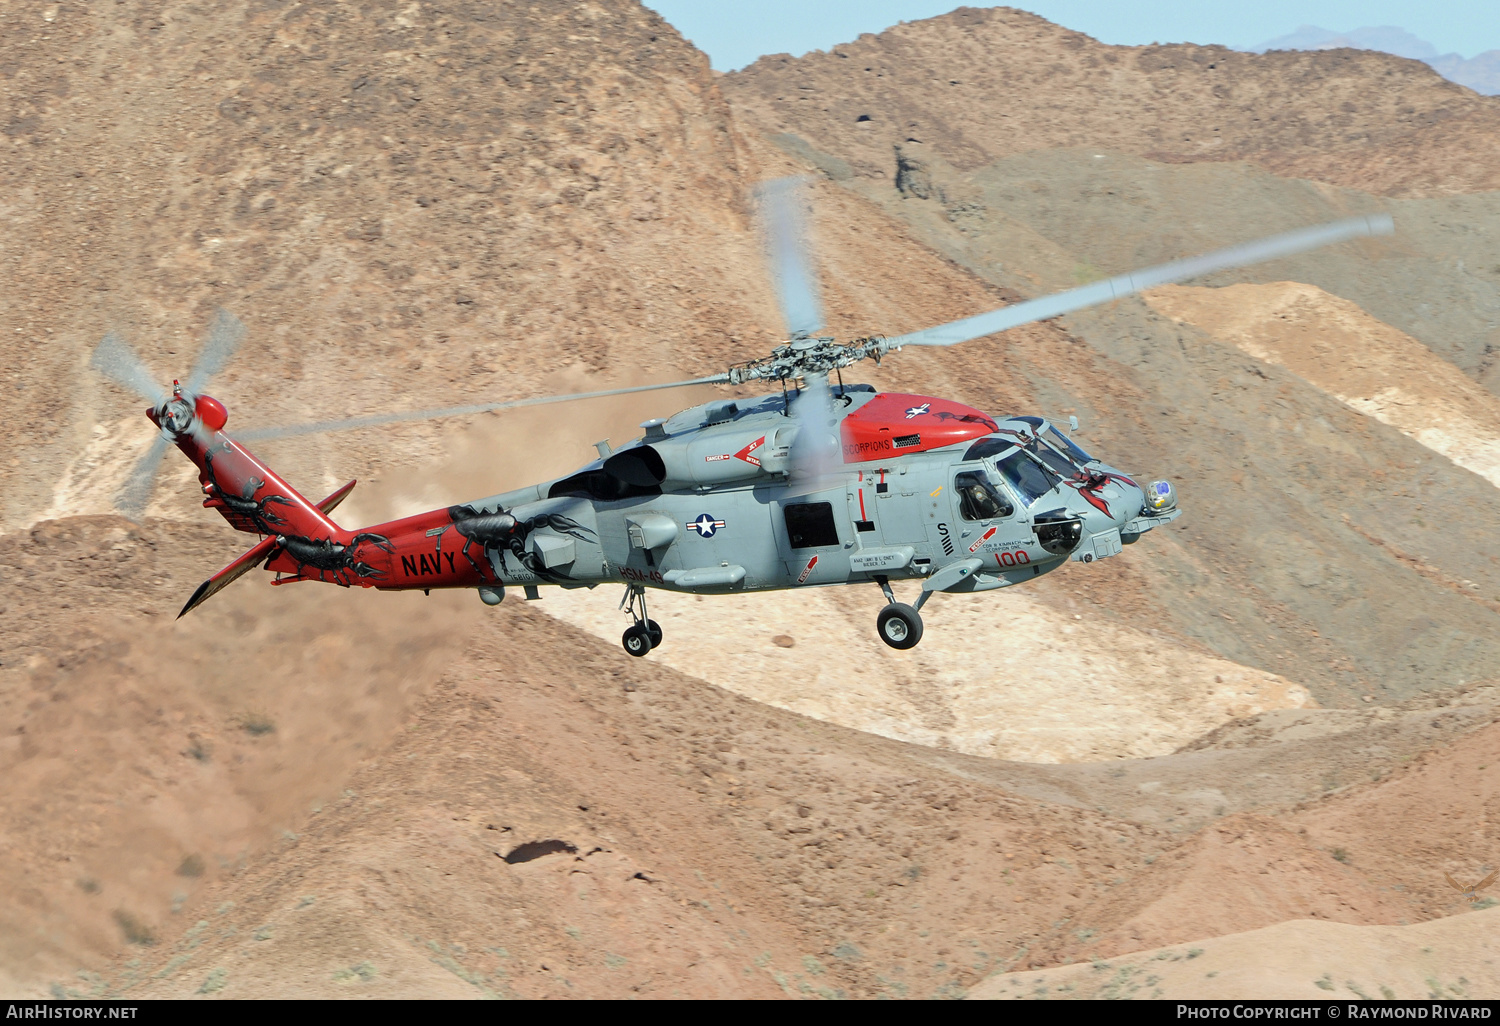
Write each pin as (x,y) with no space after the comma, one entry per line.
(638,641)
(645,634)
(899,626)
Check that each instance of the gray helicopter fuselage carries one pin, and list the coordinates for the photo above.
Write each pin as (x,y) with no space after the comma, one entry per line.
(708,502)
(822,486)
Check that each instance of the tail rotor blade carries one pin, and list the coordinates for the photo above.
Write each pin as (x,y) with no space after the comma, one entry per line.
(136,493)
(1287,244)
(790,255)
(262,434)
(201,434)
(114,358)
(224,337)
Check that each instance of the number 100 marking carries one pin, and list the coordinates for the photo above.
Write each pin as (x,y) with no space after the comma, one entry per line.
(1017,558)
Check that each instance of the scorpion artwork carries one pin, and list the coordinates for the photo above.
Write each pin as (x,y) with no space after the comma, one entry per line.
(255,514)
(1088,482)
(499,531)
(967,418)
(332,558)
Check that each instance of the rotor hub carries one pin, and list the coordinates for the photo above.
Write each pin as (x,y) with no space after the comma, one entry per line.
(177,416)
(803,356)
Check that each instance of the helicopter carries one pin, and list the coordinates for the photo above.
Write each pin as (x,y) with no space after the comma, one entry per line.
(818,483)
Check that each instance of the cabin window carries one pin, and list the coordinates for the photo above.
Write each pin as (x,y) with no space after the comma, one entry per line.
(809,525)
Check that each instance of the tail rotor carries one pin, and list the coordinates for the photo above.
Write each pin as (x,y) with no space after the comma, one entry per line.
(224,338)
(133,496)
(114,358)
(175,411)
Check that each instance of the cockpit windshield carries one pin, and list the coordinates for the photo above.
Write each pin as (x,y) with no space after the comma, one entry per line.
(1066,445)
(1055,460)
(1054,450)
(1029,479)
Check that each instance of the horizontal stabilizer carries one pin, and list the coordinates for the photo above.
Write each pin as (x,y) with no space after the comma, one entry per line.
(328,504)
(253,557)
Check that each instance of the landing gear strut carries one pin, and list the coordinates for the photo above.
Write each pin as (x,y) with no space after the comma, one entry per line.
(645,634)
(899,625)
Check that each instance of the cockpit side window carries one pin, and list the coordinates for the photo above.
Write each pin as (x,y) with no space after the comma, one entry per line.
(978,499)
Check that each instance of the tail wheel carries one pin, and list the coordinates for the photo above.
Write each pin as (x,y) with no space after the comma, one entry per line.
(637,640)
(654,629)
(899,626)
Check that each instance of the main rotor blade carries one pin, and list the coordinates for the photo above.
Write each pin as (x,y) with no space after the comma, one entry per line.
(319,427)
(136,493)
(1262,250)
(224,337)
(790,255)
(114,358)
(815,450)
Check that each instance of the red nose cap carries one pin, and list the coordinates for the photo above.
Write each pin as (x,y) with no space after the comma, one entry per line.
(211,413)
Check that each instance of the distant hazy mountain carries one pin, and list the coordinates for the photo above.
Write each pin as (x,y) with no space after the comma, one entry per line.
(1481,73)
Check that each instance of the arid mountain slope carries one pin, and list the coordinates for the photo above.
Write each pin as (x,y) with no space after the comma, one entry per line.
(1050,219)
(317,782)
(1083,691)
(1450,959)
(341,793)
(753,830)
(1338,347)
(1351,856)
(146,756)
(978,84)
(400,200)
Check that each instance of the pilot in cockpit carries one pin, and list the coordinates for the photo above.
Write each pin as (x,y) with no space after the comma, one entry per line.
(977,498)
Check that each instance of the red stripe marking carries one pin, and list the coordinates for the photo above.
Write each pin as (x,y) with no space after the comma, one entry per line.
(862,505)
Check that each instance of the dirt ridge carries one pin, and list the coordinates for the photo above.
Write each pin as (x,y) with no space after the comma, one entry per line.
(980,83)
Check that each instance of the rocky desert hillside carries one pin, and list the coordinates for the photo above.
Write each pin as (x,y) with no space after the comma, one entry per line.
(984,83)
(408,796)
(1285,699)
(407,204)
